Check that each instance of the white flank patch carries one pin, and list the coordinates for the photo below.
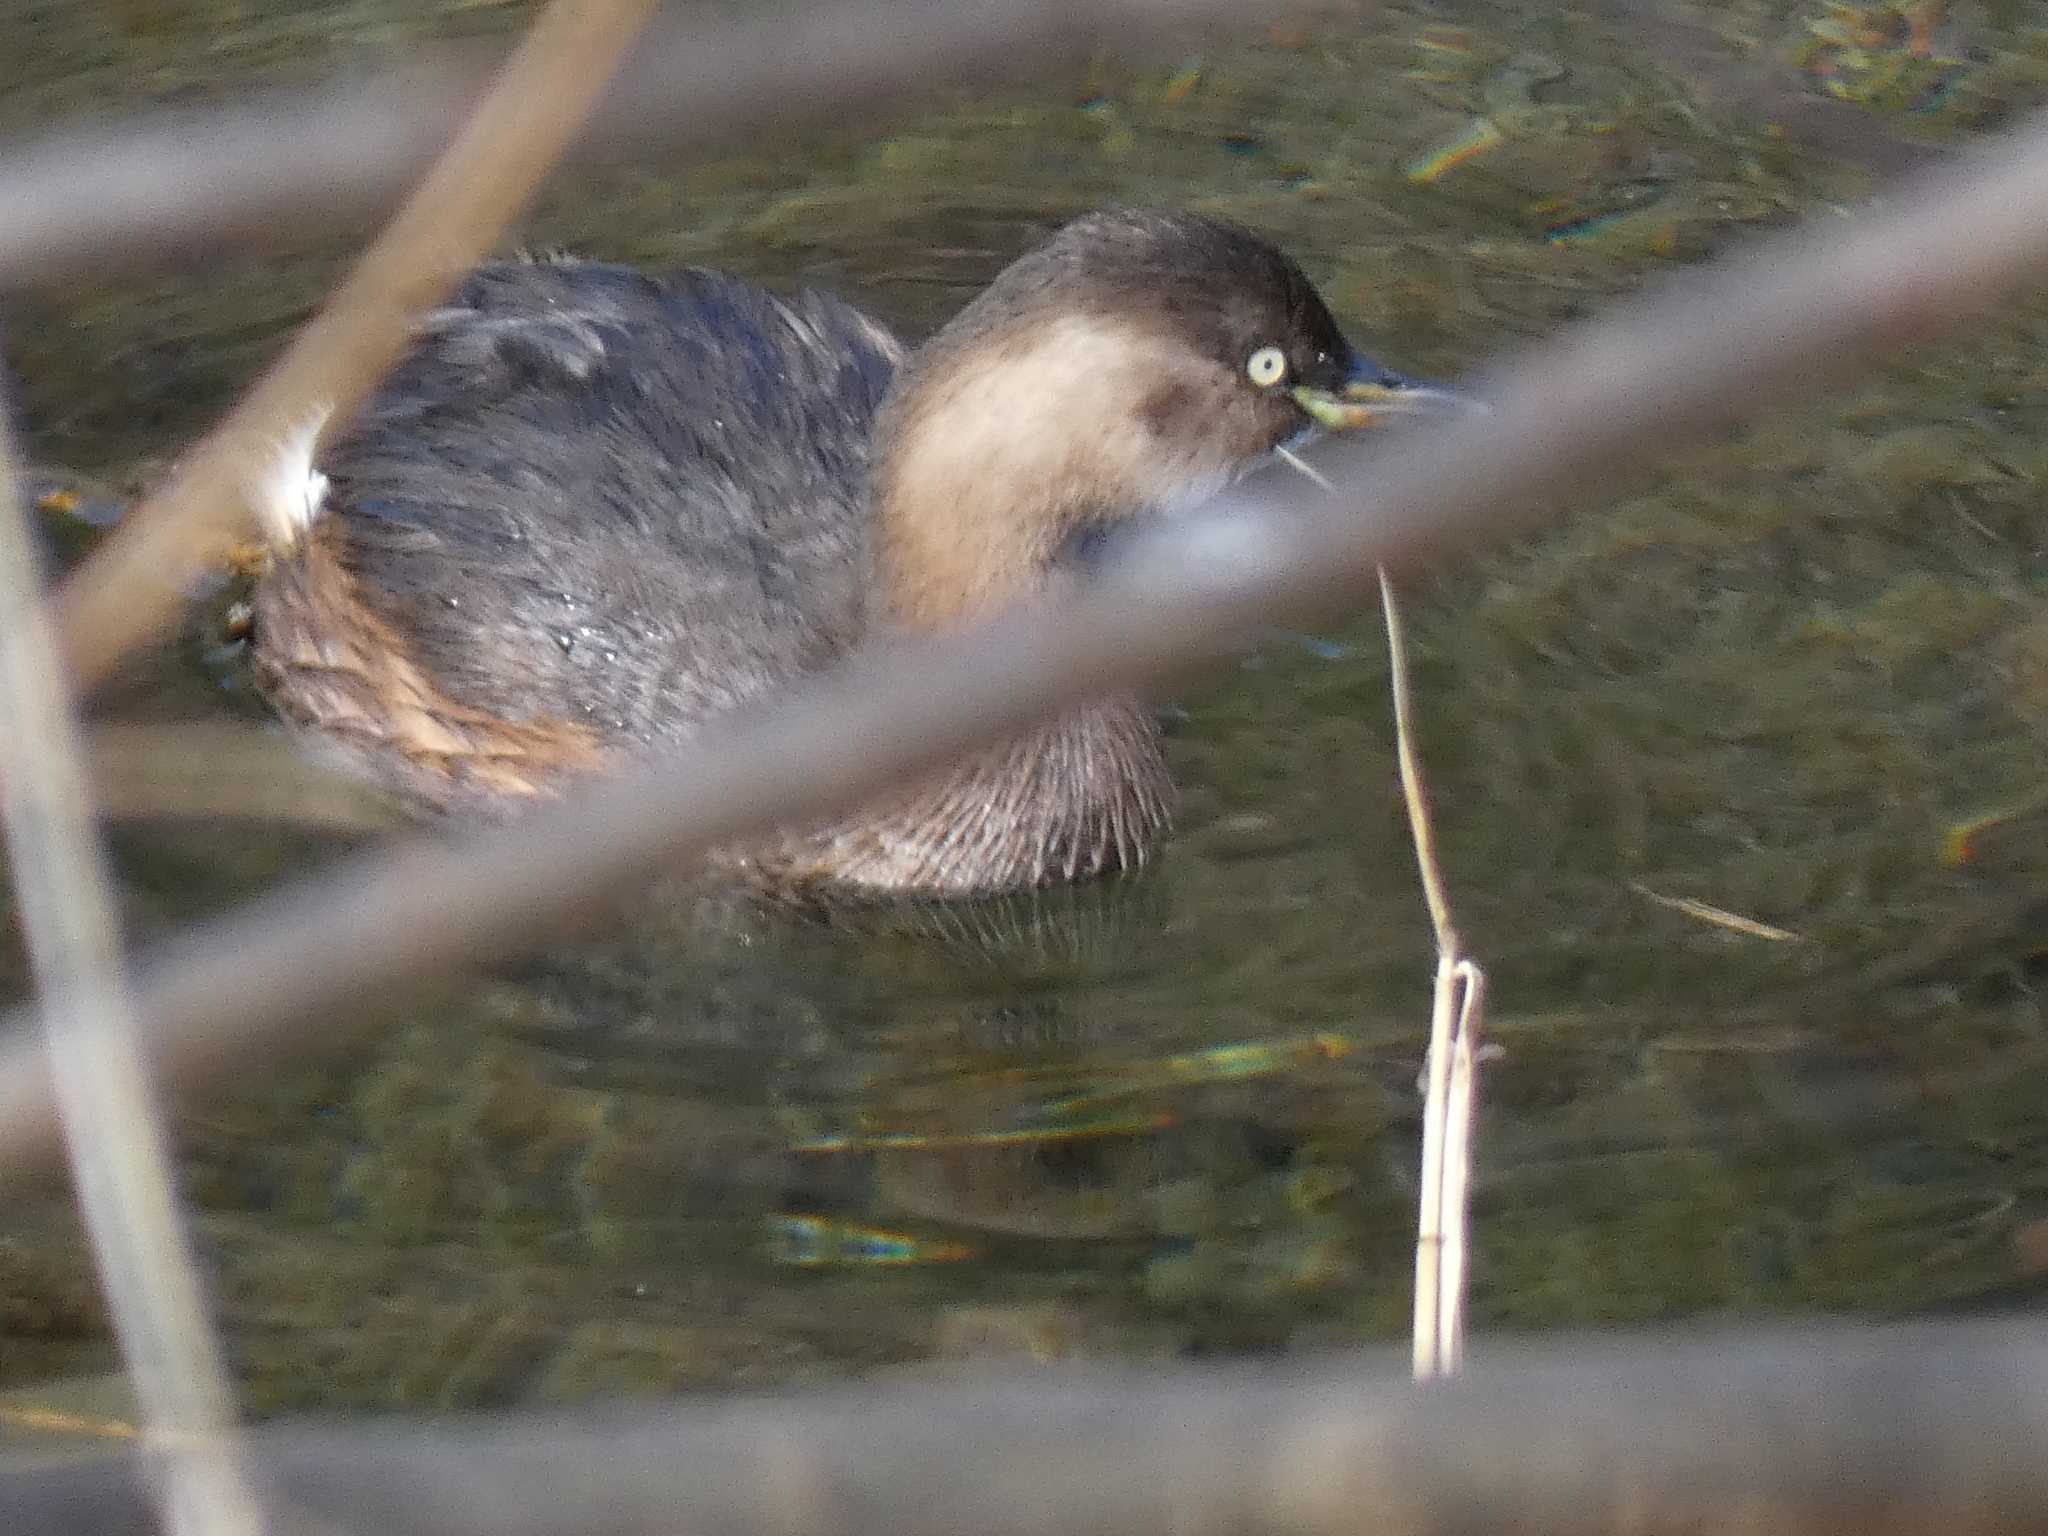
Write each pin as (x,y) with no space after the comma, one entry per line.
(289,491)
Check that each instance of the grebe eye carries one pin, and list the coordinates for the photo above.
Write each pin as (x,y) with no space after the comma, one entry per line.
(1266,367)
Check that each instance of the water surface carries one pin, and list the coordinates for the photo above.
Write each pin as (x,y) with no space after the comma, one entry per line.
(1178,1115)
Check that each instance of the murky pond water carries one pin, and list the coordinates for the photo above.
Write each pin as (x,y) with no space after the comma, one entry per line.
(1178,1114)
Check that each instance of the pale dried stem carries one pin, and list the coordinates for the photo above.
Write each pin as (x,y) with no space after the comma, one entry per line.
(1456,1010)
(1468,983)
(136,583)
(1429,1215)
(119,1159)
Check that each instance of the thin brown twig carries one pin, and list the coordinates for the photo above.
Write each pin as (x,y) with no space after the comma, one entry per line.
(120,1160)
(136,583)
(1567,418)
(1414,789)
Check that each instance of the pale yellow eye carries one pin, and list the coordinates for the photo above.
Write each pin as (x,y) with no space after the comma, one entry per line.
(1266,367)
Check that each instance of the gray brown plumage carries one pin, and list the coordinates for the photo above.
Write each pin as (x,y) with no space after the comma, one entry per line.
(593,509)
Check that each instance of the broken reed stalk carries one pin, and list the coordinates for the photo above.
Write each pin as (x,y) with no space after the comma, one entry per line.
(120,1158)
(1456,1011)
(138,581)
(1442,1220)
(1456,1008)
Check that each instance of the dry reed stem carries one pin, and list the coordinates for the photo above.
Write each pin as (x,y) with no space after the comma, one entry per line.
(137,582)
(119,1153)
(1441,1221)
(1805,1431)
(1568,417)
(1457,1008)
(1425,1335)
(120,1161)
(1464,990)
(1414,788)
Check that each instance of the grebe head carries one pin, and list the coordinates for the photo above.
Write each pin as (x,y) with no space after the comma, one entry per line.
(1133,364)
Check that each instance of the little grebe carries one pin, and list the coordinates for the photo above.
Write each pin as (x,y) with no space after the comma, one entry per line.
(593,509)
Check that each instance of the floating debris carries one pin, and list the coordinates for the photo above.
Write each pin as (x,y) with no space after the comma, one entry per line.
(66,517)
(59,494)
(1508,95)
(1896,57)
(1963,843)
(1656,235)
(1503,96)
(1256,1058)
(1629,214)
(1447,64)
(819,1242)
(1475,141)
(1218,1064)
(1719,917)
(1102,1111)
(1181,84)
(1452,40)
(1017,1136)
(54,1421)
(1318,646)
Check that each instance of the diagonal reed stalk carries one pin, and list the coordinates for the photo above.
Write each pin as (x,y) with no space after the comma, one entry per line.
(116,1140)
(138,581)
(120,1161)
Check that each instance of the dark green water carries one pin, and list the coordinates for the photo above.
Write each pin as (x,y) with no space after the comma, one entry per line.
(1180,1116)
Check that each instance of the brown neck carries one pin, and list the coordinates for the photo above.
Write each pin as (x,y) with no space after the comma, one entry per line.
(998,445)
(1000,440)
(943,562)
